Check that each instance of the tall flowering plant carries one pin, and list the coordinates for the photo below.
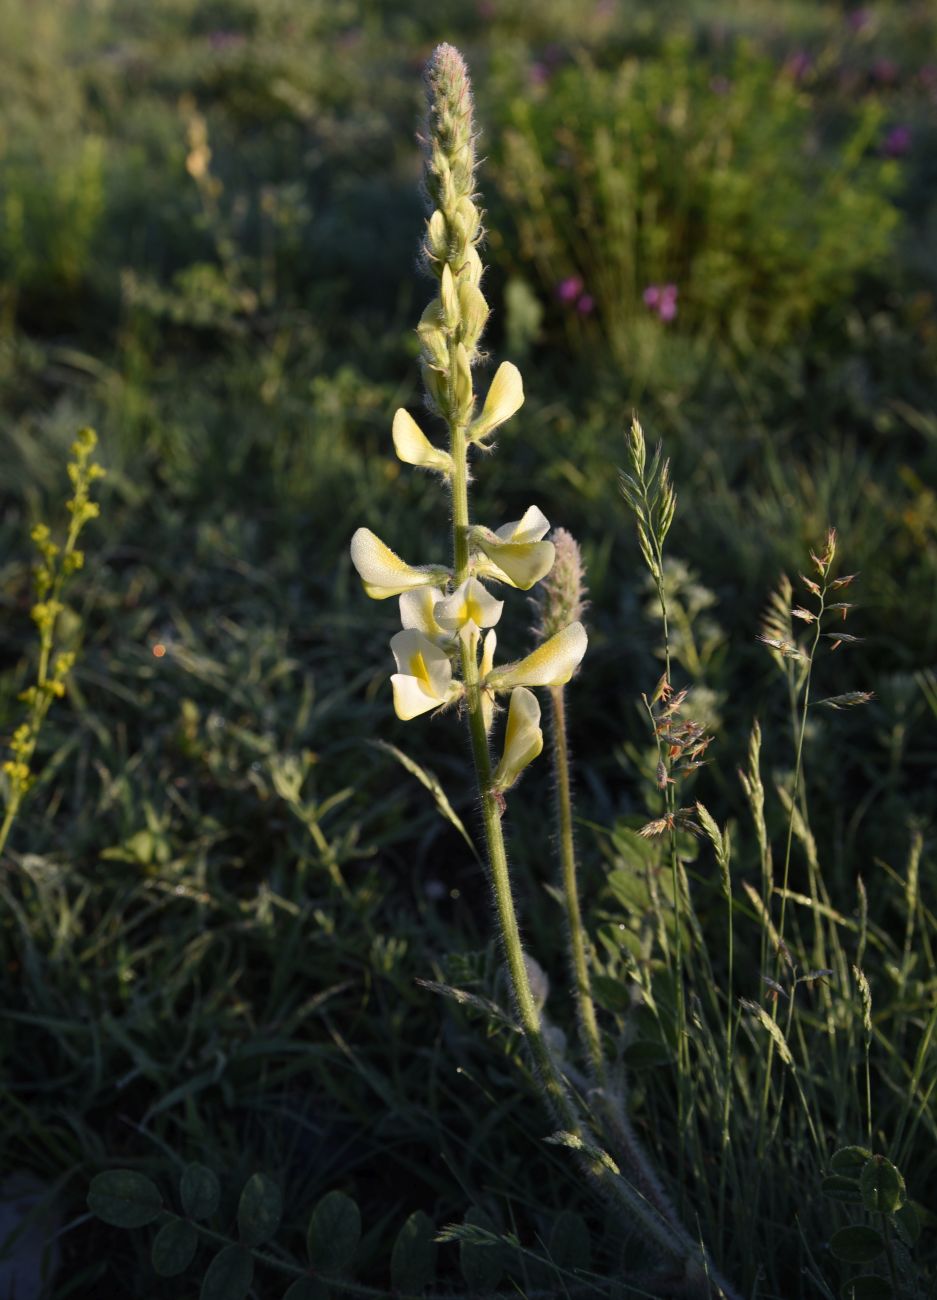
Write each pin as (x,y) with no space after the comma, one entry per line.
(445,652)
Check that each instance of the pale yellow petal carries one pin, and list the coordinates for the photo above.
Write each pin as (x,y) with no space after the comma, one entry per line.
(470,603)
(416,611)
(505,396)
(420,658)
(409,699)
(519,564)
(486,665)
(386,574)
(523,739)
(531,528)
(414,448)
(551,664)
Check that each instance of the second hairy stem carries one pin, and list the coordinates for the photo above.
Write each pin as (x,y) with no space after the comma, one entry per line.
(588,1023)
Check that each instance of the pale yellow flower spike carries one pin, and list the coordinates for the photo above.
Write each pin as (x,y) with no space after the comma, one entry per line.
(470,608)
(414,448)
(424,677)
(505,397)
(551,664)
(386,574)
(523,739)
(514,553)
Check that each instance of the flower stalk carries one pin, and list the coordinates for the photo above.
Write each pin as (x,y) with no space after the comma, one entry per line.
(445,654)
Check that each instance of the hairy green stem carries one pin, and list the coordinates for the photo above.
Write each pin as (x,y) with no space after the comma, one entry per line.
(588,1024)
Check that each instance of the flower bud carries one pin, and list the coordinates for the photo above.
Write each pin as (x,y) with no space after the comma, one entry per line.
(474,312)
(432,335)
(436,383)
(436,243)
(448,299)
(463,385)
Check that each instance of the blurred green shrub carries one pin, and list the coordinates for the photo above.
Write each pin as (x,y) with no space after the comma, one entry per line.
(668,194)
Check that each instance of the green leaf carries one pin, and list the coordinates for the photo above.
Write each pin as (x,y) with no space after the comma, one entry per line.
(850,1161)
(174,1247)
(867,1287)
(413,1260)
(307,1288)
(569,1241)
(644,1053)
(857,1245)
(882,1186)
(229,1275)
(200,1191)
(611,994)
(481,1265)
(124,1199)
(259,1210)
(908,1223)
(334,1233)
(841,1188)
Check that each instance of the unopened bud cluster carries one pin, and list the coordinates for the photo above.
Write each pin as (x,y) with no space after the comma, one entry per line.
(452,325)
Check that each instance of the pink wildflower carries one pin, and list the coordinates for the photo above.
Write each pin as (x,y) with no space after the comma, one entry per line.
(569,290)
(897,142)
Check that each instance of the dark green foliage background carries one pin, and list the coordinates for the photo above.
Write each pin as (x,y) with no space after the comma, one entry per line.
(188,973)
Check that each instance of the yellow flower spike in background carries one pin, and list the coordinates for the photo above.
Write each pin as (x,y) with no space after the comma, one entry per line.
(515,553)
(551,664)
(505,398)
(470,608)
(414,448)
(423,680)
(385,574)
(523,739)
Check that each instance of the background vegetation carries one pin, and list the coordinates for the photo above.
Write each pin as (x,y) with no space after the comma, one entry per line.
(220,893)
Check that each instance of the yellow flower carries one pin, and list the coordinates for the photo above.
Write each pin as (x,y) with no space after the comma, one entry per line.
(551,664)
(505,396)
(514,553)
(468,609)
(423,680)
(523,739)
(386,574)
(414,448)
